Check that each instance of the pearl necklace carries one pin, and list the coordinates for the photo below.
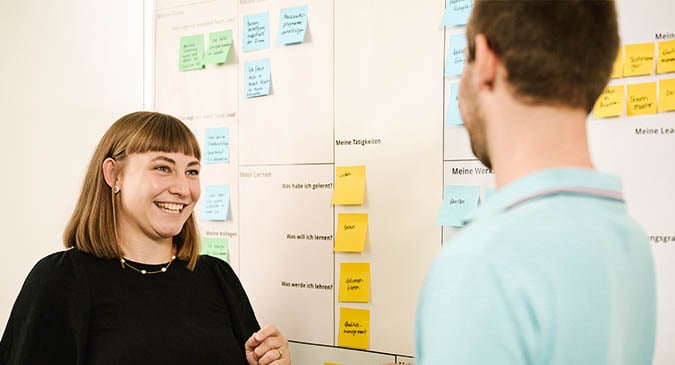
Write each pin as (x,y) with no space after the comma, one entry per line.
(124,263)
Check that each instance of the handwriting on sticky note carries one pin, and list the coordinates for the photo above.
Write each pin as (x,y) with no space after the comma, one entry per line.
(191,53)
(351,232)
(667,95)
(354,282)
(216,202)
(354,328)
(610,102)
(639,59)
(292,25)
(217,247)
(458,202)
(666,60)
(641,99)
(219,47)
(256,32)
(457,12)
(257,78)
(454,62)
(217,145)
(350,185)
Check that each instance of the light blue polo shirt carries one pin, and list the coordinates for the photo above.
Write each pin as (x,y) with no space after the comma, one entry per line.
(551,270)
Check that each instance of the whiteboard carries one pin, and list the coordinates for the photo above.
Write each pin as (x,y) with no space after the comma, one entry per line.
(370,73)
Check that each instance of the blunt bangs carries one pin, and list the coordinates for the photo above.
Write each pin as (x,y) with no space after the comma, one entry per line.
(163,133)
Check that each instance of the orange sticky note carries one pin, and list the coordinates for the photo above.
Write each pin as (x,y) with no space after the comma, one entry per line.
(610,102)
(354,328)
(639,59)
(666,60)
(351,232)
(667,95)
(617,71)
(354,282)
(350,185)
(641,99)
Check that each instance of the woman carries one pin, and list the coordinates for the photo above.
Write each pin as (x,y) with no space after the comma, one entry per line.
(132,288)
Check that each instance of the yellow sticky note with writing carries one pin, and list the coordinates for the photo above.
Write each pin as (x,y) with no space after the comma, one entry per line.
(354,328)
(610,102)
(667,95)
(641,99)
(350,185)
(350,234)
(666,60)
(617,70)
(354,282)
(639,59)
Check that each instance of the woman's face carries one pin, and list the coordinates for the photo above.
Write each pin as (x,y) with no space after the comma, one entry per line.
(158,192)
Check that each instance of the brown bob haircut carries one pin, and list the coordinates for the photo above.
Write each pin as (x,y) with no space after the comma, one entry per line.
(555,52)
(92,227)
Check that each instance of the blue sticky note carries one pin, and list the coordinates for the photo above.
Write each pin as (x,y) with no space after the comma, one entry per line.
(452,116)
(216,203)
(488,193)
(458,202)
(256,32)
(257,78)
(217,145)
(292,25)
(457,12)
(454,63)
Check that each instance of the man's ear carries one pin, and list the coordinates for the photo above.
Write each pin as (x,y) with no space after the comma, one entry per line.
(485,63)
(109,168)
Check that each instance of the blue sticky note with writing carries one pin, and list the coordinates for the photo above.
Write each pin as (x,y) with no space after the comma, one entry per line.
(216,203)
(217,145)
(458,202)
(457,12)
(292,25)
(452,116)
(256,32)
(257,76)
(454,63)
(488,193)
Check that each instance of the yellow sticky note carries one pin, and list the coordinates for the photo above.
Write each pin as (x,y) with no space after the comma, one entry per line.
(350,185)
(667,95)
(666,60)
(354,328)
(639,59)
(354,282)
(610,102)
(617,71)
(641,99)
(351,232)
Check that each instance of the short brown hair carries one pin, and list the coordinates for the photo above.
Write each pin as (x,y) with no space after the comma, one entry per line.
(92,227)
(555,52)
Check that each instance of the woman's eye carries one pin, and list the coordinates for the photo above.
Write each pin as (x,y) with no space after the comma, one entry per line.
(193,172)
(162,168)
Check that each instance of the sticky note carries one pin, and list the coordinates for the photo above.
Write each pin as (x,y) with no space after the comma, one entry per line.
(488,193)
(641,99)
(639,59)
(354,328)
(350,185)
(257,77)
(457,12)
(351,232)
(292,25)
(666,60)
(219,47)
(458,202)
(610,102)
(216,203)
(217,145)
(191,53)
(331,363)
(617,69)
(256,32)
(354,282)
(667,95)
(452,115)
(454,62)
(217,247)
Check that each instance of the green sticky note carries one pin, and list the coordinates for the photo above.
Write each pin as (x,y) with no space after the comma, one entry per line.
(219,47)
(191,53)
(217,247)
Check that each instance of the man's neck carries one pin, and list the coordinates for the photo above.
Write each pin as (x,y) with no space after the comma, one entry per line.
(525,139)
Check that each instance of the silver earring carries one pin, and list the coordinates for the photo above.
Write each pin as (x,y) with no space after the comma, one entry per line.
(116,189)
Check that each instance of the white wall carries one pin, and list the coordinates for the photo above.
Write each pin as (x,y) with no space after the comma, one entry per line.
(68,69)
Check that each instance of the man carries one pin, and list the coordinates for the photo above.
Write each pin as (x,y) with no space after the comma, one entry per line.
(551,270)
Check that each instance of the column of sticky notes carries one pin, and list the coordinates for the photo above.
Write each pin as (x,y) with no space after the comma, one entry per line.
(640,98)
(351,231)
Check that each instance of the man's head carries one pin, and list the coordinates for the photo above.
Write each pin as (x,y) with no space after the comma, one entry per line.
(555,53)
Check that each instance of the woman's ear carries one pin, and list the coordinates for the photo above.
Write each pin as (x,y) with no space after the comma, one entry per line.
(109,168)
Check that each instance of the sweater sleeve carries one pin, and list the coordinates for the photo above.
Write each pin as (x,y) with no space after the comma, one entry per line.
(48,323)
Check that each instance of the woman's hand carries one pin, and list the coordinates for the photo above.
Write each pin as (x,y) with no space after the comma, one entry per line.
(267,346)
